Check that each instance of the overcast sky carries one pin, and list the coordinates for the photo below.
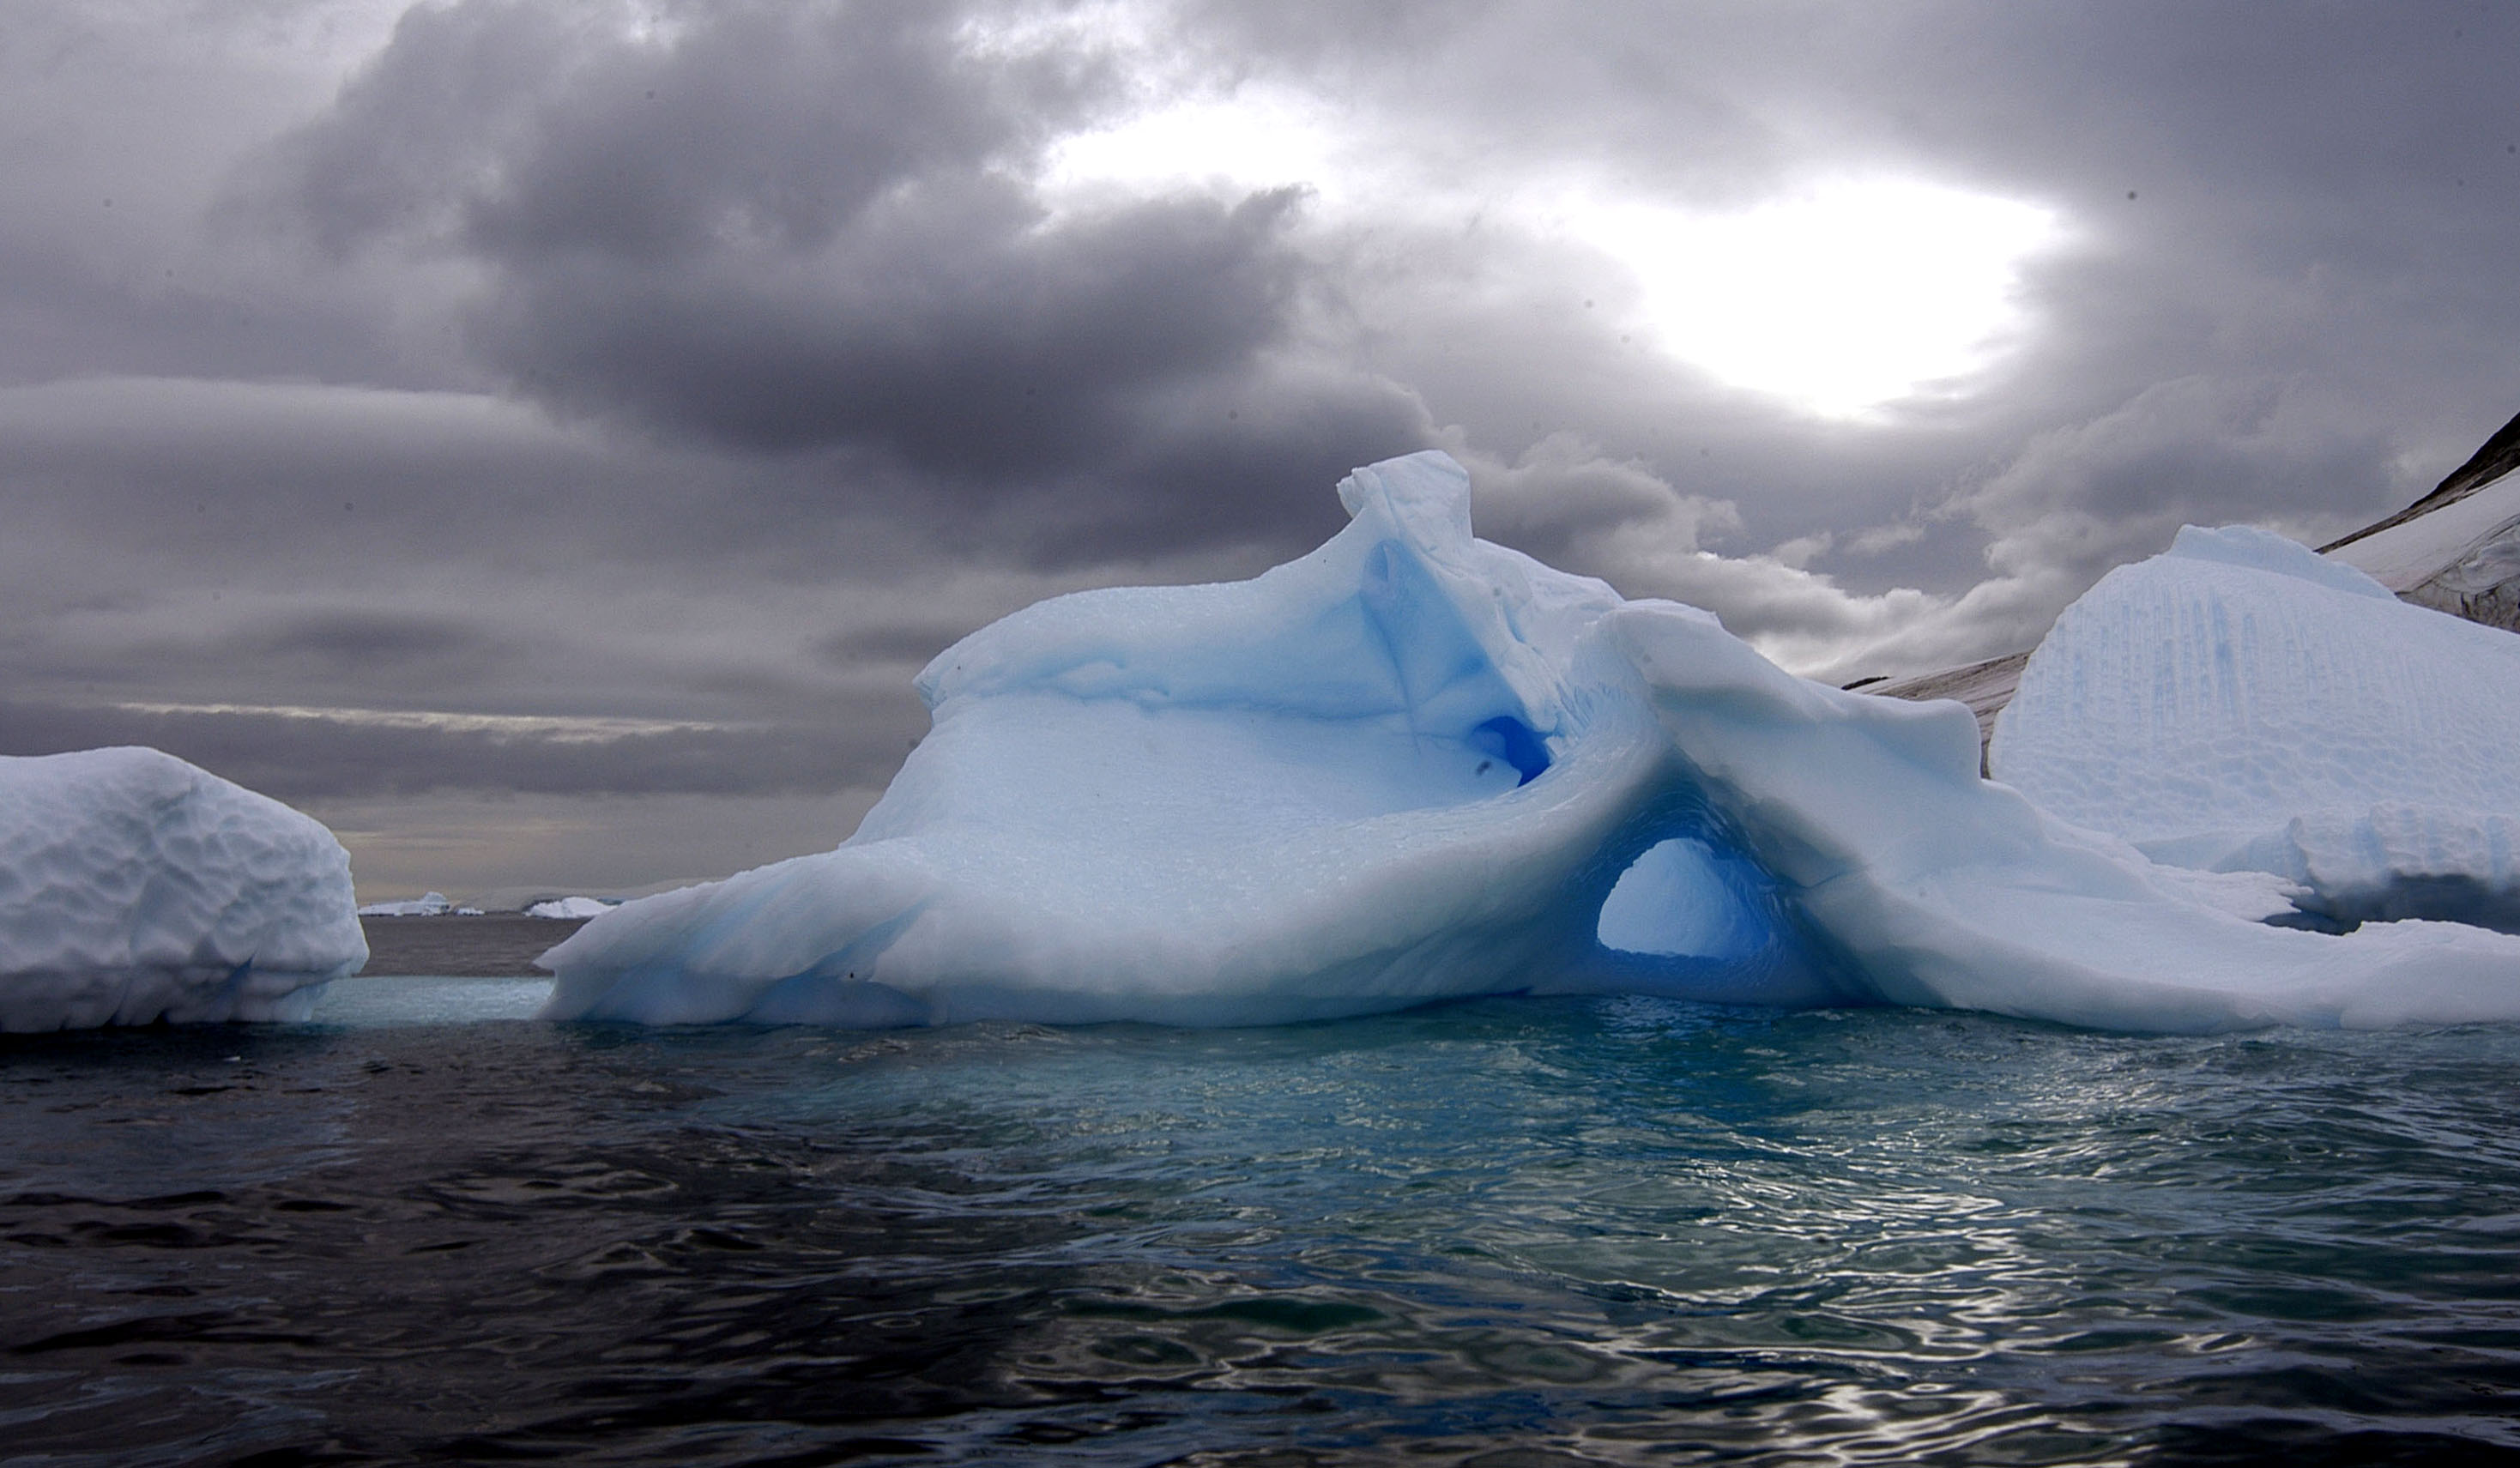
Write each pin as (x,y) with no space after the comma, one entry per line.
(543,440)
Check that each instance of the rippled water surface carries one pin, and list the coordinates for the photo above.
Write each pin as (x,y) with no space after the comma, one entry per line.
(1511,1232)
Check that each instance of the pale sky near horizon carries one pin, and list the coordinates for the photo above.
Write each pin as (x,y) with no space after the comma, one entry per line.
(543,440)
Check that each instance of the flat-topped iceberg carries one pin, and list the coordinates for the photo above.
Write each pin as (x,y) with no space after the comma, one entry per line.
(427,904)
(2239,704)
(1414,765)
(135,887)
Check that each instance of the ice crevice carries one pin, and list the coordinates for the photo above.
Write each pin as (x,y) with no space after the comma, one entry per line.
(1414,766)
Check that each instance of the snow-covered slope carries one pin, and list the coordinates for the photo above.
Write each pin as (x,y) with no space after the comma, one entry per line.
(2239,704)
(2403,560)
(2457,550)
(1413,766)
(135,887)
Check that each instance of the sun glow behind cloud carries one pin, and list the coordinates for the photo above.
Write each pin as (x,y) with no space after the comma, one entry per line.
(1247,140)
(1841,299)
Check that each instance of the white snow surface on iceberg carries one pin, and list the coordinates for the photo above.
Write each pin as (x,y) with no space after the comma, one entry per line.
(1414,765)
(135,887)
(2239,704)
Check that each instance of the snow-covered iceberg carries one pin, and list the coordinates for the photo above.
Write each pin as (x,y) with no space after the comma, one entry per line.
(570,906)
(1414,766)
(135,887)
(2238,703)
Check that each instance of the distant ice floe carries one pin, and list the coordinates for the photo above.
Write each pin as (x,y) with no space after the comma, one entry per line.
(135,887)
(1415,766)
(427,904)
(570,906)
(2241,704)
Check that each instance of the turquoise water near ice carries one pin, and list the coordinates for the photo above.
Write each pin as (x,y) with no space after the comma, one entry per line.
(1513,1231)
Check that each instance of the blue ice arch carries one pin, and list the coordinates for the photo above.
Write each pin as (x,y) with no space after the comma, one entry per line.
(1414,766)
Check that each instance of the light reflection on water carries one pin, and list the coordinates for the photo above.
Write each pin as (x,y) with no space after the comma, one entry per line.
(1617,1230)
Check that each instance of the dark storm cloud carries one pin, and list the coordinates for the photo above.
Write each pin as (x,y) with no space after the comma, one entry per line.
(779,229)
(530,130)
(966,342)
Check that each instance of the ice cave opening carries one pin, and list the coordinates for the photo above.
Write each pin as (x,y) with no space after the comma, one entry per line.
(1684,899)
(1508,738)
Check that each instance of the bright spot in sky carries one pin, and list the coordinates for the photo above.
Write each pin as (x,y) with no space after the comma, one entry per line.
(1247,140)
(1841,299)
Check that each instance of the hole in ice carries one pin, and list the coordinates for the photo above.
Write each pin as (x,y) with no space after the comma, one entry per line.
(1682,899)
(1508,738)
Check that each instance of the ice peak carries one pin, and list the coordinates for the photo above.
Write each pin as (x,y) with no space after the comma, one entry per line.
(2265,551)
(1425,494)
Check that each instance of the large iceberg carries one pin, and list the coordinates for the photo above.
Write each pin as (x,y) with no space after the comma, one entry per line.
(2239,704)
(1414,766)
(135,887)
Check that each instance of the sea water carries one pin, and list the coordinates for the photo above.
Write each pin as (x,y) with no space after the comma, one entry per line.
(1511,1232)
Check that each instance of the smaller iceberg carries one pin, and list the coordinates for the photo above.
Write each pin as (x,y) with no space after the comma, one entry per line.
(570,906)
(2241,705)
(135,887)
(1414,766)
(427,904)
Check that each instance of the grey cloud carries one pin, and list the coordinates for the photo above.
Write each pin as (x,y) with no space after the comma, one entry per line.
(1563,490)
(2081,499)
(1579,509)
(890,642)
(967,341)
(173,482)
(1251,458)
(296,758)
(526,130)
(374,640)
(65,314)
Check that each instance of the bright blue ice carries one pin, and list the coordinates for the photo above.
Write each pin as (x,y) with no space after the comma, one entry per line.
(1684,899)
